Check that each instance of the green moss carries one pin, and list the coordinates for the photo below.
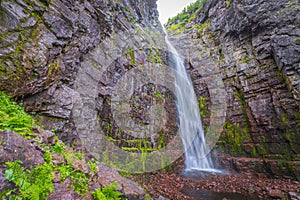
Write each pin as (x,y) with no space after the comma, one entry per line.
(3,16)
(291,6)
(130,53)
(287,168)
(53,69)
(37,183)
(204,112)
(154,56)
(262,149)
(254,152)
(202,27)
(246,59)
(234,137)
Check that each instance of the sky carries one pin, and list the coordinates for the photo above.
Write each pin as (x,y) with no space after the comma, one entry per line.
(170,8)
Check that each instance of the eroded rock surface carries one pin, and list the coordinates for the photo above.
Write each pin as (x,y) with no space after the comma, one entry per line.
(43,44)
(253,48)
(15,147)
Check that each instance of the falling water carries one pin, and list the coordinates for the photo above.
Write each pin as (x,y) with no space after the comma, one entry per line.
(190,126)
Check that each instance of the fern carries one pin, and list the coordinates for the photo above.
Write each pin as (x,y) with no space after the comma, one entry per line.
(98,195)
(107,193)
(110,192)
(13,117)
(35,184)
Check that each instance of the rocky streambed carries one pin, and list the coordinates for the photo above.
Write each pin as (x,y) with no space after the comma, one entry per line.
(229,186)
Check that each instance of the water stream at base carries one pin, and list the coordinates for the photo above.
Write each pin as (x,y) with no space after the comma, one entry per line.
(190,126)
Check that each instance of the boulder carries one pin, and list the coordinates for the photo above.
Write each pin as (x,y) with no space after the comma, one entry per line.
(107,176)
(15,147)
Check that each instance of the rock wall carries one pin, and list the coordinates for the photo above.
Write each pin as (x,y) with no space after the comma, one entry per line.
(44,43)
(243,57)
(253,46)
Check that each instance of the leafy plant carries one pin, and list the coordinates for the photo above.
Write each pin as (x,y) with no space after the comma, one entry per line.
(58,148)
(188,14)
(107,193)
(13,117)
(37,183)
(228,3)
(31,184)
(98,195)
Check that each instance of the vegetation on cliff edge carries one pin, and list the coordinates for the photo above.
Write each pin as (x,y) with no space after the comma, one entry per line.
(186,16)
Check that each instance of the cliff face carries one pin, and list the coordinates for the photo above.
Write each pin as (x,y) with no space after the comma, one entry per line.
(254,48)
(44,43)
(243,57)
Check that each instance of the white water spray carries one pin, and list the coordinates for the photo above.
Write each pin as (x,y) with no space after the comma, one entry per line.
(190,126)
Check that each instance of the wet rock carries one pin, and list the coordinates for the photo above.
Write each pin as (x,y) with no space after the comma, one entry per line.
(107,176)
(294,195)
(57,159)
(275,193)
(80,166)
(15,147)
(46,137)
(14,14)
(162,198)
(253,52)
(58,186)
(64,195)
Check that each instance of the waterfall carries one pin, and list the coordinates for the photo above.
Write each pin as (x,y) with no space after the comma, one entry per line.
(190,126)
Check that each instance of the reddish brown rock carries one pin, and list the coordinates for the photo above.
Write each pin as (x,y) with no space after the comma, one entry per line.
(15,147)
(58,159)
(80,166)
(107,176)
(275,193)
(64,195)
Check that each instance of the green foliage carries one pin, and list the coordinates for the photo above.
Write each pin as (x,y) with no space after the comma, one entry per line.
(107,193)
(188,14)
(31,184)
(53,69)
(58,148)
(235,136)
(228,3)
(203,107)
(130,53)
(37,183)
(98,195)
(13,117)
(154,56)
(93,166)
(159,95)
(110,192)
